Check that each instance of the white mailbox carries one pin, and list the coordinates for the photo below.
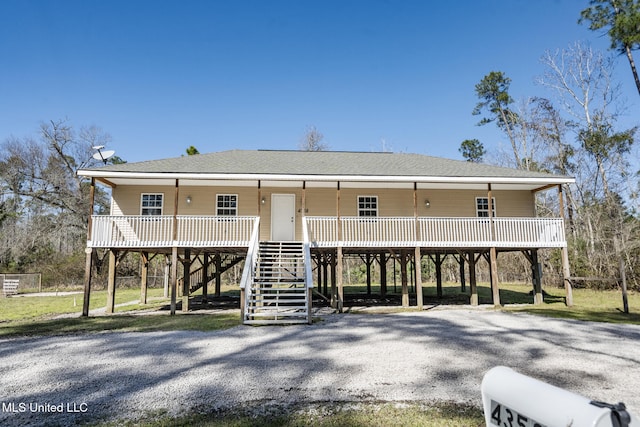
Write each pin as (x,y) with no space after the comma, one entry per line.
(511,399)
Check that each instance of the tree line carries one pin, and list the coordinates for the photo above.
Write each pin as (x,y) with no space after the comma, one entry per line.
(577,131)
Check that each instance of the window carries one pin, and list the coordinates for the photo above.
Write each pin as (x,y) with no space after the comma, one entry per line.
(227,204)
(151,204)
(367,205)
(482,206)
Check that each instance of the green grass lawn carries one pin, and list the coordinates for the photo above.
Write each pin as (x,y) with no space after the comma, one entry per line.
(31,307)
(33,315)
(592,305)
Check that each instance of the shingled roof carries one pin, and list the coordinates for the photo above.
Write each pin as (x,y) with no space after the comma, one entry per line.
(316,164)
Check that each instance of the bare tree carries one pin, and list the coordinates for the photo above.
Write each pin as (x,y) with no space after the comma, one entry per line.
(45,202)
(581,79)
(312,140)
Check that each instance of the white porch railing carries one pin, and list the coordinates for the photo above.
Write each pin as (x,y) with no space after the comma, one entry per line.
(530,232)
(358,232)
(209,231)
(114,231)
(205,231)
(436,232)
(135,231)
(461,232)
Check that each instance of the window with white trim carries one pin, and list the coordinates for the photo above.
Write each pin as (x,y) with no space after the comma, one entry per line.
(482,207)
(151,204)
(367,206)
(227,204)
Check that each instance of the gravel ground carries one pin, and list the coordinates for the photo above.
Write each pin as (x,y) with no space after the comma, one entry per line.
(436,355)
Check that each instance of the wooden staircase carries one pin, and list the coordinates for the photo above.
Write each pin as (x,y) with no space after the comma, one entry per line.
(199,276)
(278,293)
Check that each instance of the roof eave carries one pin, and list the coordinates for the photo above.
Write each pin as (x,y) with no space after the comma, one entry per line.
(91,173)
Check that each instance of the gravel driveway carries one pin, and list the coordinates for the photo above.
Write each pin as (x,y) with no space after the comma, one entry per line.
(428,356)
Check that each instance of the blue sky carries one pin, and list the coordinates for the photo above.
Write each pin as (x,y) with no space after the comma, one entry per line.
(160,76)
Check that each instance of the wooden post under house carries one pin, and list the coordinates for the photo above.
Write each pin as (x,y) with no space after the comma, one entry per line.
(111,281)
(205,277)
(418,269)
(473,285)
(493,253)
(566,270)
(144,274)
(186,280)
(89,253)
(404,278)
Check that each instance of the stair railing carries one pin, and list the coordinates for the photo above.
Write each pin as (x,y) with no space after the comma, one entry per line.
(248,272)
(308,280)
(308,276)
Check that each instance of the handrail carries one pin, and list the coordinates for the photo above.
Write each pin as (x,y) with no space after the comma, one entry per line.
(249,263)
(307,255)
(248,271)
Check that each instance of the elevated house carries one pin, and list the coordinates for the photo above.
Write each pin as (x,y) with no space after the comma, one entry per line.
(293,215)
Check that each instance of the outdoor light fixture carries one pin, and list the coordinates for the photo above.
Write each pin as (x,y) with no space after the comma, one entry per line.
(427,203)
(263,200)
(188,200)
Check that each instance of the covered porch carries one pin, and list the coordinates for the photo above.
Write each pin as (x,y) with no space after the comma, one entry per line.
(403,240)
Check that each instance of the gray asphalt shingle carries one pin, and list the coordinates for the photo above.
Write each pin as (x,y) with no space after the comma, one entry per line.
(321,163)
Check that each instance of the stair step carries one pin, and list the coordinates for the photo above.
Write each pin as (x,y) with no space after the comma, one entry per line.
(278,293)
(278,314)
(269,300)
(275,322)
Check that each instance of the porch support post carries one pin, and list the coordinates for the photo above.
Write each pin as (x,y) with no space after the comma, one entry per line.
(495,290)
(174,250)
(473,285)
(173,278)
(566,270)
(303,202)
(167,263)
(325,273)
(404,278)
(186,280)
(340,294)
(218,261)
(318,271)
(111,282)
(417,258)
(334,293)
(259,198)
(339,225)
(463,284)
(439,275)
(368,262)
(144,274)
(205,277)
(89,252)
(536,278)
(88,266)
(383,274)
(493,253)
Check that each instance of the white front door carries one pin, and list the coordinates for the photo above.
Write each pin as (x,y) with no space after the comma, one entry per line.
(283,217)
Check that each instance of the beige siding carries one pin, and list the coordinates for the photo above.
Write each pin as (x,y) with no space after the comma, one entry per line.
(462,203)
(126,200)
(323,202)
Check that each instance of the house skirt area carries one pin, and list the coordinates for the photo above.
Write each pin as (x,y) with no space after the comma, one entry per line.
(398,276)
